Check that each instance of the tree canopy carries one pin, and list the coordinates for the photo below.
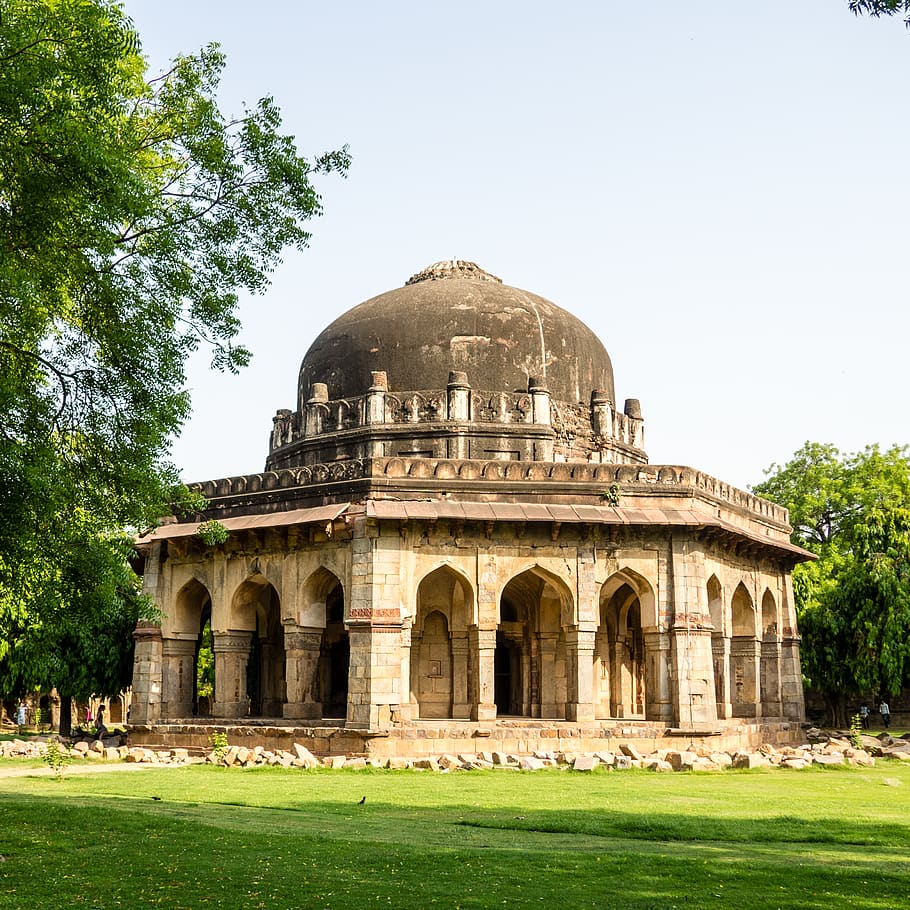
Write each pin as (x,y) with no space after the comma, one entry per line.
(132,212)
(853,604)
(877,8)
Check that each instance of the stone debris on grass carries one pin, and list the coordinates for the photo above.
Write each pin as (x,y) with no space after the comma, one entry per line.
(818,750)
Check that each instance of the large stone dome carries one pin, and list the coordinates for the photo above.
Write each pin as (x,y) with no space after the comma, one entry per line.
(455,316)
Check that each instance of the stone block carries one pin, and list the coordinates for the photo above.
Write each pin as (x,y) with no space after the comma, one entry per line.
(585,763)
(750,760)
(355,763)
(301,752)
(112,754)
(629,750)
(336,761)
(657,764)
(622,763)
(681,761)
(530,763)
(822,758)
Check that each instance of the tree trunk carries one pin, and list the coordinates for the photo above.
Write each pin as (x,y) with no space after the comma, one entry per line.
(66,715)
(836,706)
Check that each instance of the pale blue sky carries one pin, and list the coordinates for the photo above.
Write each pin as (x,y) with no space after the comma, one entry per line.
(715,188)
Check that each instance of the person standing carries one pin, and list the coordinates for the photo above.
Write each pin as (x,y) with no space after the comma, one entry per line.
(21,716)
(864,715)
(885,712)
(99,722)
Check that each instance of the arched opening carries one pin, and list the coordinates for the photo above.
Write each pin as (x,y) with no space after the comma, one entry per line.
(768,616)
(744,654)
(191,664)
(622,675)
(530,665)
(770,686)
(204,693)
(334,656)
(720,657)
(440,674)
(257,607)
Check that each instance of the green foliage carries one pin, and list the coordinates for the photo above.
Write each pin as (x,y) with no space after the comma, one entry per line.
(132,211)
(853,604)
(205,664)
(877,8)
(212,533)
(219,743)
(611,496)
(856,731)
(56,757)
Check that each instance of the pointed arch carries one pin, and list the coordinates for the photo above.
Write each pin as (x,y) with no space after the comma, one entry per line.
(769,619)
(719,645)
(189,603)
(743,613)
(256,608)
(439,666)
(321,585)
(530,665)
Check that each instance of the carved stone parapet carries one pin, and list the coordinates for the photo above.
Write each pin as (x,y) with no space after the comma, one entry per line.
(226,642)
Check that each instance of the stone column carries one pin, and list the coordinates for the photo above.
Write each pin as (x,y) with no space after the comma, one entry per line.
(580,672)
(461,699)
(483,650)
(770,678)
(145,707)
(546,663)
(301,651)
(791,681)
(694,701)
(374,683)
(232,651)
(636,424)
(745,658)
(178,671)
(659,689)
(315,408)
(540,401)
(720,649)
(601,413)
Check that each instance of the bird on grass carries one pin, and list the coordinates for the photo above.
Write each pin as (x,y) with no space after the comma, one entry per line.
(363,800)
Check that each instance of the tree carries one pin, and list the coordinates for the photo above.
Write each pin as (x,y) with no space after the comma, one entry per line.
(853,604)
(132,211)
(877,8)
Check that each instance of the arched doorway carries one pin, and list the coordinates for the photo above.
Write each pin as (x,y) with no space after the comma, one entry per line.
(189,656)
(530,666)
(334,655)
(439,666)
(744,654)
(720,649)
(624,673)
(257,607)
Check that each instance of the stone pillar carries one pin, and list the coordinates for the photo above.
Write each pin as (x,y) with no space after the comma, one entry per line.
(791,681)
(745,659)
(659,700)
(232,651)
(374,411)
(461,676)
(694,700)
(636,424)
(374,683)
(601,413)
(540,401)
(178,671)
(483,651)
(720,649)
(378,682)
(770,678)
(315,408)
(546,668)
(579,669)
(458,396)
(301,654)
(145,707)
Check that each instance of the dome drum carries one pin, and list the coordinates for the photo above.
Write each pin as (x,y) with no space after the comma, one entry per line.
(526,380)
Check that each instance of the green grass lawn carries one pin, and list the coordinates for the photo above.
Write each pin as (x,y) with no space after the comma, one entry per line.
(209,837)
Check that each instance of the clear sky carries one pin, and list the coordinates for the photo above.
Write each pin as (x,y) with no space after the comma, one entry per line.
(717,189)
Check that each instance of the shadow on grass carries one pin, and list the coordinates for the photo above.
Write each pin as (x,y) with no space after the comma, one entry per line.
(120,855)
(678,827)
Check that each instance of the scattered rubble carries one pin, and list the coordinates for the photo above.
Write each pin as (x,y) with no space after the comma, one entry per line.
(820,749)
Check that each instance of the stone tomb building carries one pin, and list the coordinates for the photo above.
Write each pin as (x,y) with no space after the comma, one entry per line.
(458,544)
